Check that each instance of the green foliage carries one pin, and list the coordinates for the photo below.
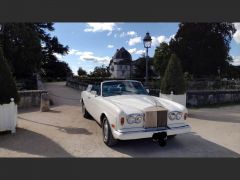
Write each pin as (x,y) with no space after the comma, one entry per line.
(161,57)
(81,72)
(140,68)
(173,79)
(56,70)
(203,47)
(8,88)
(29,46)
(100,71)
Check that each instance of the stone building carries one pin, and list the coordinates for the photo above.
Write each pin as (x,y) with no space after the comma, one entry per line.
(123,67)
(120,64)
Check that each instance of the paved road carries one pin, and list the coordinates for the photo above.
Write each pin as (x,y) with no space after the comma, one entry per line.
(63,132)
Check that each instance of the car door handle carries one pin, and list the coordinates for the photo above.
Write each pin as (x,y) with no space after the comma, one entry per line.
(89,97)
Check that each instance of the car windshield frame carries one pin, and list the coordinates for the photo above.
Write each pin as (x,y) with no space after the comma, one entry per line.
(125,87)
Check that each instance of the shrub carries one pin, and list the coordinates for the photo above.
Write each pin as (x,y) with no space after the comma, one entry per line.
(8,87)
(173,79)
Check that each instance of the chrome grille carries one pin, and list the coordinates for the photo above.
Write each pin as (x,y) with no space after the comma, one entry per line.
(155,117)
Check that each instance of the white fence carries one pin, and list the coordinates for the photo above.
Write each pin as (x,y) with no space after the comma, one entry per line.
(181,99)
(8,116)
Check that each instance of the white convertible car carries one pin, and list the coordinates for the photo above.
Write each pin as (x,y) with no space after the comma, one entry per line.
(125,111)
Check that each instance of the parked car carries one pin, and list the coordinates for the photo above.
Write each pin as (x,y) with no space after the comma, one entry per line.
(126,111)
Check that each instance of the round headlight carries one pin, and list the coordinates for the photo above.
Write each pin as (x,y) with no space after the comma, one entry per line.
(139,119)
(179,115)
(131,119)
(171,116)
(135,118)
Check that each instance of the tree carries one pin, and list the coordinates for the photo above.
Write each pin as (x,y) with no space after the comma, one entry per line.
(161,57)
(56,69)
(140,68)
(81,72)
(173,79)
(28,46)
(100,71)
(8,88)
(203,47)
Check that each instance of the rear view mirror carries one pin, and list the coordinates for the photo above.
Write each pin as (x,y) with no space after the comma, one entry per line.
(147,90)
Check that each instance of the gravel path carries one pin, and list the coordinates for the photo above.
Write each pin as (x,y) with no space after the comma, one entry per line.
(63,132)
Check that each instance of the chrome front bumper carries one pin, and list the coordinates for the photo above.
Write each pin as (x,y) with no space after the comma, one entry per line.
(148,133)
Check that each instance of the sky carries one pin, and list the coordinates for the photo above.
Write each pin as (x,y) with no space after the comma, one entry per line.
(94,44)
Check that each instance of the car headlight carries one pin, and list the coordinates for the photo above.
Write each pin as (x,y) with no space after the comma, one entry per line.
(135,118)
(175,115)
(179,115)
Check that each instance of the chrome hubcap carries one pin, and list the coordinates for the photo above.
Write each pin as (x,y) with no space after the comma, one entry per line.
(105,130)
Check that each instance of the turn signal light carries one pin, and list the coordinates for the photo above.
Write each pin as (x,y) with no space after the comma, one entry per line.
(185,116)
(122,120)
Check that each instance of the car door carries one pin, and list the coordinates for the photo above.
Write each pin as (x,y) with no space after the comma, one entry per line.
(87,96)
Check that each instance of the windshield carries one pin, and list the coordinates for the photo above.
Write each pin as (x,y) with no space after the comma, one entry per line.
(113,88)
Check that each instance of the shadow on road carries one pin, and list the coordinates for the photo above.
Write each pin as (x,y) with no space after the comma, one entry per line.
(27,141)
(69,130)
(185,145)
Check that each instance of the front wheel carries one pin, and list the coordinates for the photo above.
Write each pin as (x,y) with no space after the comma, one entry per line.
(107,134)
(85,112)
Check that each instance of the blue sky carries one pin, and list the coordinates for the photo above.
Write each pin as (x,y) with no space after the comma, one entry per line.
(93,44)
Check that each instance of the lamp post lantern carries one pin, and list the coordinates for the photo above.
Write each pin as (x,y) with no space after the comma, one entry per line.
(147,41)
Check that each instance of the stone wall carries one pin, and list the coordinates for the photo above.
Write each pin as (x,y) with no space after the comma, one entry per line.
(202,98)
(30,98)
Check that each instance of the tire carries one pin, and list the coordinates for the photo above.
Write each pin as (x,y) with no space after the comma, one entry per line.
(108,138)
(85,112)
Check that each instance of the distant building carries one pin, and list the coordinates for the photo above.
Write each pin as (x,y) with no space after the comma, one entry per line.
(120,64)
(123,67)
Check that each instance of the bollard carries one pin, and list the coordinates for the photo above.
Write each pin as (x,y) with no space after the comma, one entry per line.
(44,107)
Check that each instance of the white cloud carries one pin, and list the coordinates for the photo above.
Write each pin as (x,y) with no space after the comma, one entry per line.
(236,61)
(140,52)
(132,51)
(100,27)
(124,34)
(236,35)
(72,51)
(58,56)
(89,56)
(135,51)
(131,33)
(110,46)
(109,33)
(157,40)
(134,41)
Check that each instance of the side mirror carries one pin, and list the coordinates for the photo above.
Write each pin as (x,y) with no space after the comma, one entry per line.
(147,90)
(94,93)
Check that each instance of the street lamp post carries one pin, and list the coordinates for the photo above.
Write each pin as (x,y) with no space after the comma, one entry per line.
(147,40)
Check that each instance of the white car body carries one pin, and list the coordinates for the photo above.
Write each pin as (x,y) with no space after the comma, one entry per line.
(118,106)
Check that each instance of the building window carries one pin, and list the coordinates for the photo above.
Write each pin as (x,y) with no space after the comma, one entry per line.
(123,72)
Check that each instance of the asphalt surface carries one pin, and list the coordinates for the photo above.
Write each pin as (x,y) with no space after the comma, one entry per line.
(63,132)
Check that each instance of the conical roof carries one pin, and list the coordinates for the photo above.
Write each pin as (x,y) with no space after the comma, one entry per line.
(122,54)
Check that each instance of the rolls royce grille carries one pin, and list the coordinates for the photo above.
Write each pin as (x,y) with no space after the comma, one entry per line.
(155,117)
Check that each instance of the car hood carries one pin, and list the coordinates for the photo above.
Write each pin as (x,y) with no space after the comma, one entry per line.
(137,103)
